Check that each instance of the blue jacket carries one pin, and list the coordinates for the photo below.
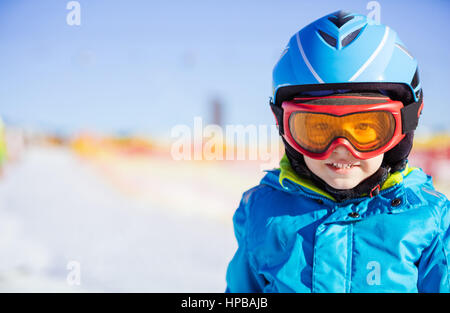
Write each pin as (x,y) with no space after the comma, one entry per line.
(293,237)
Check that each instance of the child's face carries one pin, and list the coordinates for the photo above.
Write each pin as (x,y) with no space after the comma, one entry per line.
(339,175)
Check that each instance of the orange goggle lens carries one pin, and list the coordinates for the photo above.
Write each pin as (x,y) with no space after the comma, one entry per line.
(366,131)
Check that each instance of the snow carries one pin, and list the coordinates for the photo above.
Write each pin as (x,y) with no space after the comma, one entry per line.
(56,208)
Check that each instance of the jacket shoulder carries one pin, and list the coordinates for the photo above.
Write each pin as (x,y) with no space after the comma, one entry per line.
(421,192)
(267,186)
(259,198)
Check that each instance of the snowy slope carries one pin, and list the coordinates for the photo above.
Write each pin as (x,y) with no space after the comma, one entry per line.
(56,208)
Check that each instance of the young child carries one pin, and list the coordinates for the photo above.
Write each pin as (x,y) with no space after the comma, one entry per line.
(344,212)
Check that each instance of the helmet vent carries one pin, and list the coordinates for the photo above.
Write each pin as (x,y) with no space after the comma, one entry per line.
(340,18)
(328,39)
(350,37)
(415,80)
(418,92)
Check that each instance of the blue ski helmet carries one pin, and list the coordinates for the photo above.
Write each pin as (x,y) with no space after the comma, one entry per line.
(346,52)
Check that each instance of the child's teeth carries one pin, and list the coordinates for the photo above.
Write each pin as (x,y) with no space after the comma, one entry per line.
(340,165)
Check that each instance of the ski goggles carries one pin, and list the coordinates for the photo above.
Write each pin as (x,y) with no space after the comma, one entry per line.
(366,126)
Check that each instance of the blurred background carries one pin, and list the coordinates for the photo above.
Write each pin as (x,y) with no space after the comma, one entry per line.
(91,198)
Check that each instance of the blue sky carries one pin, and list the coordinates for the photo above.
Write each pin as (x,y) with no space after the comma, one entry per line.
(145,66)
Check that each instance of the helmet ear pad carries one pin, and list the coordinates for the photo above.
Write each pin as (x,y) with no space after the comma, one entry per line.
(396,157)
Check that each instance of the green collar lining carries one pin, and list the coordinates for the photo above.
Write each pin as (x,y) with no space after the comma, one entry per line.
(286,172)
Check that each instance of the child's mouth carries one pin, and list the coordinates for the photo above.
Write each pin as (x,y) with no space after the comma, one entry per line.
(342,168)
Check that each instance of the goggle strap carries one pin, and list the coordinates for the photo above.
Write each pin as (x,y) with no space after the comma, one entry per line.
(410,116)
(278,112)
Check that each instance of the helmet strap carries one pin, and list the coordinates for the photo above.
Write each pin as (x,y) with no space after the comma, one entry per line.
(410,115)
(278,112)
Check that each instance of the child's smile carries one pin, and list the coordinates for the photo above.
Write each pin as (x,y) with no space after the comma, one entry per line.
(342,166)
(342,170)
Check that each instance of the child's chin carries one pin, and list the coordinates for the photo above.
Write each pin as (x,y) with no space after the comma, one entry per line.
(343,183)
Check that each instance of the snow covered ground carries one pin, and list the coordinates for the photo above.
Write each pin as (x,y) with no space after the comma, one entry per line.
(56,208)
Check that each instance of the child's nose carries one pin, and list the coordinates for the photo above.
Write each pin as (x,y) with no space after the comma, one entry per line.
(341,151)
